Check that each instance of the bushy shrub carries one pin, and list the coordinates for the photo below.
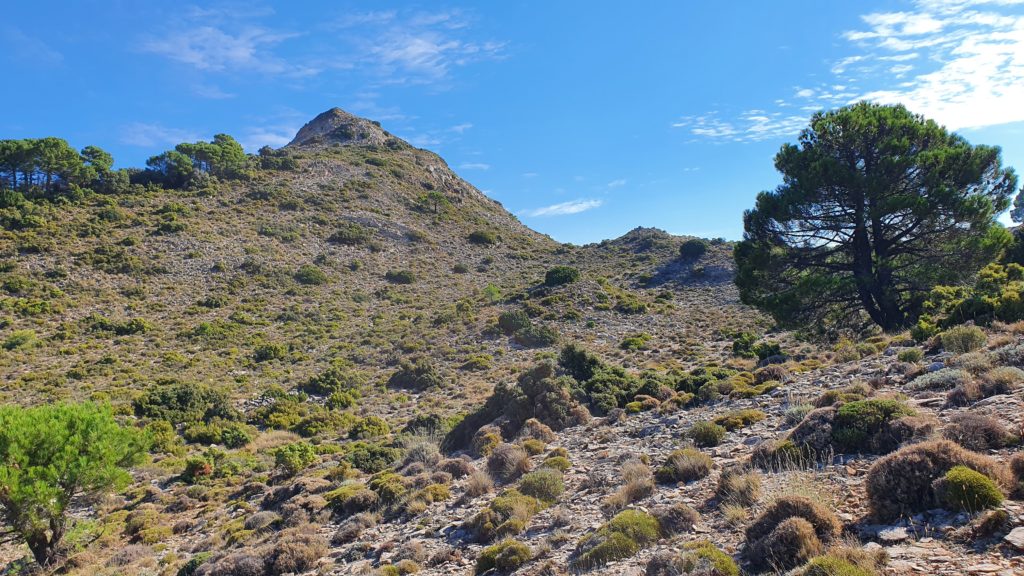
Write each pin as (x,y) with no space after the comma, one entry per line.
(508,462)
(738,487)
(911,355)
(504,556)
(861,425)
(966,489)
(560,275)
(482,237)
(184,402)
(372,458)
(693,249)
(699,558)
(676,518)
(850,393)
(351,499)
(293,458)
(506,516)
(544,484)
(961,339)
(400,276)
(903,482)
(390,487)
(512,321)
(369,427)
(536,336)
(334,380)
(944,379)
(310,275)
(790,532)
(621,537)
(351,234)
(829,565)
(976,431)
(416,374)
(706,434)
(685,465)
(736,419)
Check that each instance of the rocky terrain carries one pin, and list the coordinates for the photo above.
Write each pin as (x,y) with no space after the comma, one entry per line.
(354,362)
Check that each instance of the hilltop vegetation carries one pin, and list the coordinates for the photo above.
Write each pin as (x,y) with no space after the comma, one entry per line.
(344,359)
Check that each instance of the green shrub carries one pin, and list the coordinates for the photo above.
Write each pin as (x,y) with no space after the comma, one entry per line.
(966,489)
(400,276)
(390,487)
(351,234)
(704,559)
(189,568)
(271,351)
(511,321)
(857,424)
(536,336)
(335,379)
(416,374)
(685,465)
(310,275)
(743,344)
(623,536)
(736,419)
(293,458)
(504,556)
(372,458)
(560,463)
(544,484)
(559,275)
(179,403)
(20,339)
(482,237)
(369,427)
(350,499)
(706,434)
(912,355)
(693,249)
(961,339)
(765,350)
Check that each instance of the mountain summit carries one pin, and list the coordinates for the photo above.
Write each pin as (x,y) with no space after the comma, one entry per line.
(337,126)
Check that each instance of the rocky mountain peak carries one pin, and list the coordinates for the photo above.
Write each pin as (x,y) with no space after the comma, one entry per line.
(337,126)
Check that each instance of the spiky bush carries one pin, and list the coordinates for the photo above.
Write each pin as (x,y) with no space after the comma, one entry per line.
(685,465)
(966,489)
(504,556)
(706,434)
(621,537)
(508,462)
(544,484)
(961,339)
(903,482)
(790,543)
(976,431)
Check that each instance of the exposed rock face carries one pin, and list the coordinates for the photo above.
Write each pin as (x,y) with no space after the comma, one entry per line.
(336,126)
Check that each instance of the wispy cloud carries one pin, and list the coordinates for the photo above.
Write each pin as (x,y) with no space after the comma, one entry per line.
(474,166)
(959,62)
(619,183)
(564,208)
(153,135)
(376,47)
(25,48)
(211,91)
(460,128)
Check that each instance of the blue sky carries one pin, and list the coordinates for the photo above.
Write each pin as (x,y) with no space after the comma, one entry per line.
(586,119)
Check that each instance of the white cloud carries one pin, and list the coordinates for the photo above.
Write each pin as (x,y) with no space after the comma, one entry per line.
(154,135)
(212,49)
(571,207)
(959,62)
(212,92)
(25,48)
(474,166)
(619,183)
(460,128)
(530,174)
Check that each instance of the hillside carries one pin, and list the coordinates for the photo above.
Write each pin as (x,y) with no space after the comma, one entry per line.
(349,357)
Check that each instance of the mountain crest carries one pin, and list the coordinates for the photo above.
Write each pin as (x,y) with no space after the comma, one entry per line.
(337,126)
